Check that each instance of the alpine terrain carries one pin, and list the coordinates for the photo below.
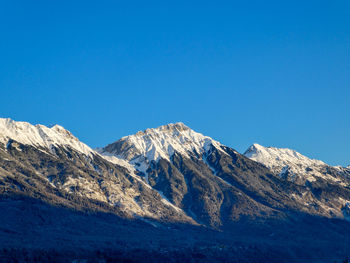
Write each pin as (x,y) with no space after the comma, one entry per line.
(167,194)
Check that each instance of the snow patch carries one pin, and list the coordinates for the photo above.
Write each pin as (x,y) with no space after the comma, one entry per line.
(214,171)
(167,202)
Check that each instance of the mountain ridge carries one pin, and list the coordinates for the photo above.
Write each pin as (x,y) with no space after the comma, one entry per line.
(168,180)
(40,135)
(5,123)
(156,143)
(290,163)
(173,160)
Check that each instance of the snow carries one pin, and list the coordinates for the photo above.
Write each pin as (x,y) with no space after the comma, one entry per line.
(141,149)
(167,202)
(114,159)
(162,142)
(280,160)
(46,138)
(133,172)
(284,170)
(271,156)
(40,135)
(214,171)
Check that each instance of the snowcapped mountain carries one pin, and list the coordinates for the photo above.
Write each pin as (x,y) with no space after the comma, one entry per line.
(58,162)
(277,158)
(181,164)
(166,177)
(177,162)
(190,176)
(159,143)
(294,166)
(40,136)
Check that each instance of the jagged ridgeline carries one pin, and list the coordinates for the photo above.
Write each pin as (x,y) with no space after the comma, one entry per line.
(163,179)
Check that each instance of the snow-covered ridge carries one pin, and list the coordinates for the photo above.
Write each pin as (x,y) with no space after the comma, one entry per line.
(285,161)
(279,157)
(161,142)
(40,135)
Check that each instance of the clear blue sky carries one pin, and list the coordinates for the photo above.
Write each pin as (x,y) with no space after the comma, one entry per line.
(272,72)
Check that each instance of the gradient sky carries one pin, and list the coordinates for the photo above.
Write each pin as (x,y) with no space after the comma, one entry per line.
(272,72)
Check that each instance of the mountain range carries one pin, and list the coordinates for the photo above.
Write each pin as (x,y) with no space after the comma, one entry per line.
(170,193)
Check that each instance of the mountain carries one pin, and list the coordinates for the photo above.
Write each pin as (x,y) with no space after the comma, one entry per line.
(182,165)
(55,165)
(168,192)
(328,185)
(161,143)
(198,174)
(40,136)
(294,166)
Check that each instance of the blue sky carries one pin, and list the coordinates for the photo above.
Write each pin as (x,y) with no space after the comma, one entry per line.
(272,72)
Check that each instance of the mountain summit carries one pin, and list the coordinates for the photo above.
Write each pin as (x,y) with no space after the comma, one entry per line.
(275,158)
(161,142)
(293,166)
(40,135)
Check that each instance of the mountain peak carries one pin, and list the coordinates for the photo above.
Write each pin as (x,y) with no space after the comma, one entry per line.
(162,142)
(278,156)
(257,151)
(170,128)
(174,126)
(39,135)
(254,148)
(280,160)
